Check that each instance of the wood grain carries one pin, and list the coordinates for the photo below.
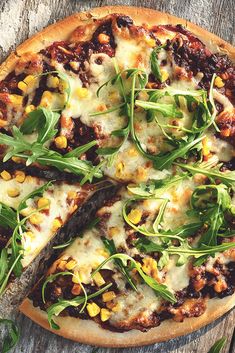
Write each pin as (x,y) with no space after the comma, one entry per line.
(20,19)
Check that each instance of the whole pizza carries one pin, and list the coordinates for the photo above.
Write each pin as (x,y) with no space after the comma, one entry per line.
(117,145)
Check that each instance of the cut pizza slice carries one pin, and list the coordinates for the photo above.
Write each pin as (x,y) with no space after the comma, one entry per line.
(33,212)
(153,261)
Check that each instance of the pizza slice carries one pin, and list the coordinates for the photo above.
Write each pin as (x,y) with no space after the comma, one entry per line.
(145,265)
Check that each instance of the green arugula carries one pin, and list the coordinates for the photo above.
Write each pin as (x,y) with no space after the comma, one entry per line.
(155,67)
(62,304)
(10,256)
(110,246)
(159,289)
(184,250)
(13,335)
(218,346)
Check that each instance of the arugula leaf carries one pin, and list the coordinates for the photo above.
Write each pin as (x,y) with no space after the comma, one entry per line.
(218,346)
(184,250)
(43,121)
(227,178)
(3,264)
(155,67)
(36,193)
(156,187)
(110,246)
(210,202)
(160,289)
(77,152)
(166,109)
(13,335)
(7,216)
(62,304)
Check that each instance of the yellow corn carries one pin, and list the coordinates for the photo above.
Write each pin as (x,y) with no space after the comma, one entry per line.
(103,38)
(205,146)
(27,83)
(14,192)
(82,92)
(43,202)
(56,224)
(164,75)
(105,314)
(150,267)
(98,279)
(17,159)
(16,100)
(116,308)
(5,175)
(30,234)
(46,99)
(151,42)
(133,152)
(108,296)
(61,265)
(72,195)
(112,231)
(71,264)
(93,309)
(3,123)
(219,82)
(74,65)
(29,108)
(119,169)
(36,219)
(61,142)
(20,176)
(135,216)
(53,81)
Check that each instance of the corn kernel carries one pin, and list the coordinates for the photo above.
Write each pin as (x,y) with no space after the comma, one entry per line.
(53,81)
(61,142)
(3,123)
(150,267)
(74,65)
(93,309)
(164,75)
(105,314)
(151,42)
(135,216)
(116,308)
(28,179)
(61,265)
(219,82)
(16,99)
(98,279)
(103,38)
(71,264)
(56,224)
(17,159)
(108,296)
(29,79)
(43,202)
(133,152)
(119,170)
(103,253)
(20,176)
(5,175)
(205,146)
(46,99)
(14,192)
(76,290)
(35,219)
(76,278)
(30,108)
(82,92)
(112,231)
(26,211)
(22,86)
(72,195)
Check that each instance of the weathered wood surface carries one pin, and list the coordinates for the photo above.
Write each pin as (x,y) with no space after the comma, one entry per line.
(22,18)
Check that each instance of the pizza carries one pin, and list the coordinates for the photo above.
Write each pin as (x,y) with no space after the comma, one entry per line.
(138,105)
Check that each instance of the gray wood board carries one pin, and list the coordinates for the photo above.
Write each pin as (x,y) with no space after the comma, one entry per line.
(20,19)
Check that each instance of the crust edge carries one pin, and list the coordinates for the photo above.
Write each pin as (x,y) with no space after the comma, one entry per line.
(76,329)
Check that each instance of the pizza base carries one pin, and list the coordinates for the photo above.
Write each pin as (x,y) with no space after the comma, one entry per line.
(87,331)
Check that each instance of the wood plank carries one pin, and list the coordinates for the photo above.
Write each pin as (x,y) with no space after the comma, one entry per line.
(21,19)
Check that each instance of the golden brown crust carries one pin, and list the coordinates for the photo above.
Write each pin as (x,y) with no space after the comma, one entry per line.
(77,330)
(74,328)
(63,29)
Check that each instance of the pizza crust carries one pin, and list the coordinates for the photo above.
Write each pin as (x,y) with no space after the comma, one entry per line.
(87,331)
(63,29)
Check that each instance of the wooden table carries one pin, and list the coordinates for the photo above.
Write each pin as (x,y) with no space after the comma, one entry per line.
(22,18)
